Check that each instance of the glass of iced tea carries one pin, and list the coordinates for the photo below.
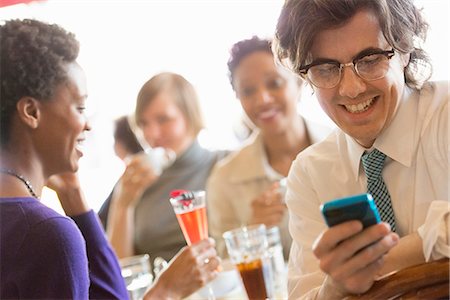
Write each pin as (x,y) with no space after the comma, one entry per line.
(248,250)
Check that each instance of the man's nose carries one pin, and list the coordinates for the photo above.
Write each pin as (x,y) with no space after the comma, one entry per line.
(351,85)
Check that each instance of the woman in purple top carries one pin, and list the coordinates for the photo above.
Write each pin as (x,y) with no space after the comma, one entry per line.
(42,124)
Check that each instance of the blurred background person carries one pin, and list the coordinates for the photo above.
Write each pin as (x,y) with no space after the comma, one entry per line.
(138,216)
(244,188)
(125,141)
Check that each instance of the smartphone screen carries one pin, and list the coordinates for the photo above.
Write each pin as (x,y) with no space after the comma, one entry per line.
(358,207)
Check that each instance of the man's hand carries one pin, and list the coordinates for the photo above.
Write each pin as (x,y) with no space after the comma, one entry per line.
(352,257)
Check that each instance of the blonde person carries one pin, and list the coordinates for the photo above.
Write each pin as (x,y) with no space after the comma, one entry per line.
(243,188)
(43,254)
(369,74)
(138,216)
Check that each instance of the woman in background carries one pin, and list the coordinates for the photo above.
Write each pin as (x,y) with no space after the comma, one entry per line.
(244,188)
(138,215)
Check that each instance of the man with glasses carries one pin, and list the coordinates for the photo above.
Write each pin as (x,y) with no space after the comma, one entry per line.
(369,75)
(369,65)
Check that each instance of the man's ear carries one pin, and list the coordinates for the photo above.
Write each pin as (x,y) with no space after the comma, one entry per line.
(28,110)
(300,80)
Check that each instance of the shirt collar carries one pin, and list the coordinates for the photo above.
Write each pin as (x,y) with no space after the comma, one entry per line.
(396,141)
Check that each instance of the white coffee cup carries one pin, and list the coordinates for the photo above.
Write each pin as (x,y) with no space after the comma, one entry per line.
(159,158)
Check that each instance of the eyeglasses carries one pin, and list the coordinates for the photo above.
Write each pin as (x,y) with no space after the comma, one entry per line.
(328,74)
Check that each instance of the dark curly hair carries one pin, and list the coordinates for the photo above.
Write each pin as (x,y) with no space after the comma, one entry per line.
(125,135)
(401,22)
(33,57)
(244,48)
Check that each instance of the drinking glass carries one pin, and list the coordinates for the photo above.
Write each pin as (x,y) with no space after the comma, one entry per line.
(277,262)
(137,276)
(283,187)
(248,250)
(190,209)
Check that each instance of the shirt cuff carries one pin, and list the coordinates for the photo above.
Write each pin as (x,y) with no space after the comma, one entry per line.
(435,232)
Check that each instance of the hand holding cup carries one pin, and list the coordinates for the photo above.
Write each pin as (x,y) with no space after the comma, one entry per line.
(268,208)
(142,170)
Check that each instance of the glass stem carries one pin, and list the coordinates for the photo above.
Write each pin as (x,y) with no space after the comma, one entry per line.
(211,295)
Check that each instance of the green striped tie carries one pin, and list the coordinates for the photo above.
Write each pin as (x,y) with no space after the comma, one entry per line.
(373,163)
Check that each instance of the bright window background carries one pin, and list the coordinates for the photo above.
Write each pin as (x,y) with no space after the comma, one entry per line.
(124,43)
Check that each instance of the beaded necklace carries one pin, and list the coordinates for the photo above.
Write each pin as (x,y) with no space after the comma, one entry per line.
(21,178)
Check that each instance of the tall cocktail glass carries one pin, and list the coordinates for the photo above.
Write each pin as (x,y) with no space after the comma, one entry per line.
(190,209)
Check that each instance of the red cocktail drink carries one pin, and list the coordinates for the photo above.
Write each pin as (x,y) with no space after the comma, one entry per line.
(194,225)
(190,210)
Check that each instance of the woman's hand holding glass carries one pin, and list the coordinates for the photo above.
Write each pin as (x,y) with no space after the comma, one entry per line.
(189,270)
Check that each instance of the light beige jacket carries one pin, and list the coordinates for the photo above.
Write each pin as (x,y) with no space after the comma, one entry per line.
(236,180)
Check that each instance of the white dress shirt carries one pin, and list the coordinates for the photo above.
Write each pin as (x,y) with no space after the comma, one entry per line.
(416,173)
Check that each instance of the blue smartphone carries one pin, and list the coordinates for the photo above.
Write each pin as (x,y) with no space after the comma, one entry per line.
(358,207)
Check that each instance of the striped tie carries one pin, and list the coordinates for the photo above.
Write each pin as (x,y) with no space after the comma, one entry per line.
(373,163)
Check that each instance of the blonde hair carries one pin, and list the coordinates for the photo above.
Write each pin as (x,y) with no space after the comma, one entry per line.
(184,96)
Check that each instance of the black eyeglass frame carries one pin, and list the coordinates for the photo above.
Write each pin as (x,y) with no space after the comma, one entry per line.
(303,71)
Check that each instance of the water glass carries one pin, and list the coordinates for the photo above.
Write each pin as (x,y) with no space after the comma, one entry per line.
(277,262)
(282,189)
(248,250)
(137,276)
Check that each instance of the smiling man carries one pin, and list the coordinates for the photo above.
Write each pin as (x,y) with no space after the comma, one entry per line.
(363,61)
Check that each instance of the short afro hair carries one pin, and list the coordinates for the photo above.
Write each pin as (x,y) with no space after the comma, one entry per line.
(244,48)
(33,57)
